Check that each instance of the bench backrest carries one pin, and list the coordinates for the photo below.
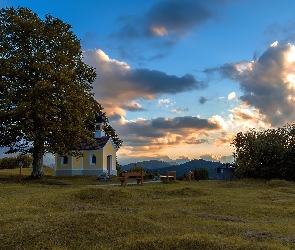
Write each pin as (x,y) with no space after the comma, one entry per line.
(133,174)
(171,173)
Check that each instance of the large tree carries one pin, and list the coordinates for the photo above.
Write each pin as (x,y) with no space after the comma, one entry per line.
(266,154)
(46,104)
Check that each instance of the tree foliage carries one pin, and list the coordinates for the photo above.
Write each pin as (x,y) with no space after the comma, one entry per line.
(108,129)
(13,162)
(46,104)
(201,174)
(137,168)
(266,154)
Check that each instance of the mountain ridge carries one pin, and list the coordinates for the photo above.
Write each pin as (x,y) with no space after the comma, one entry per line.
(155,166)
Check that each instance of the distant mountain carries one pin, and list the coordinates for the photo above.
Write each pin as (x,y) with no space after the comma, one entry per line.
(155,166)
(148,165)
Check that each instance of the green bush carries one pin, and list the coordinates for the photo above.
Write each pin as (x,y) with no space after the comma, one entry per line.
(266,154)
(137,169)
(13,162)
(201,174)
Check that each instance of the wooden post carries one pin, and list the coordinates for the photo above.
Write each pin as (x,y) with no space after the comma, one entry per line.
(191,176)
(20,163)
(141,177)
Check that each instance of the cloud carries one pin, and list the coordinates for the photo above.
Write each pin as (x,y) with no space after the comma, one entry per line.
(117,83)
(163,131)
(202,100)
(210,157)
(195,140)
(166,18)
(162,26)
(268,84)
(179,110)
(224,139)
(188,122)
(213,157)
(132,106)
(176,17)
(231,96)
(165,103)
(226,158)
(157,82)
(164,136)
(245,117)
(283,32)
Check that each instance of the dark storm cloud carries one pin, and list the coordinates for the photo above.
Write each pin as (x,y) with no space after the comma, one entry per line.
(162,26)
(137,141)
(159,127)
(268,83)
(177,17)
(227,70)
(188,122)
(142,128)
(114,117)
(154,82)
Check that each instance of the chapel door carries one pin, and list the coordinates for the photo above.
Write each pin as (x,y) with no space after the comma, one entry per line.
(109,161)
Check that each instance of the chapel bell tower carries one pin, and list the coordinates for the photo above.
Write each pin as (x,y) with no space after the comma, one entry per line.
(99,120)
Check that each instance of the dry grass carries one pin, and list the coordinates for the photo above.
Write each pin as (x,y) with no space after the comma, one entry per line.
(73,213)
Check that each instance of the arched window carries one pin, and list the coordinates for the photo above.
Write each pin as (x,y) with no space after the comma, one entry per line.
(64,160)
(92,159)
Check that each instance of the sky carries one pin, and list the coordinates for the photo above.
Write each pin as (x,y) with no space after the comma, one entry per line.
(179,79)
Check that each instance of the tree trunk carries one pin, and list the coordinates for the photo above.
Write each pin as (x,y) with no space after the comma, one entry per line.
(37,163)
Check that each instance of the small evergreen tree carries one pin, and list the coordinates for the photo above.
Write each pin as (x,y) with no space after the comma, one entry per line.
(201,174)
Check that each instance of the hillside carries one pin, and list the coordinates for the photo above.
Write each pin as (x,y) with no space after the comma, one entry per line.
(161,167)
(78,212)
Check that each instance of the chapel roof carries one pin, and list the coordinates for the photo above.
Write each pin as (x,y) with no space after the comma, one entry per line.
(98,144)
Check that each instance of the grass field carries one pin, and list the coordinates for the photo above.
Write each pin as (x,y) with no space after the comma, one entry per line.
(74,213)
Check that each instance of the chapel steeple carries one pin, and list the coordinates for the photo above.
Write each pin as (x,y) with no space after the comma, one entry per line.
(99,120)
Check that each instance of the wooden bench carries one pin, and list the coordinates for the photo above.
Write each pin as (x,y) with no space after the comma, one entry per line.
(139,177)
(169,175)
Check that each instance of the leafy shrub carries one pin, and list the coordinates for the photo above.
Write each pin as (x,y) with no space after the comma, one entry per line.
(137,169)
(201,174)
(13,162)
